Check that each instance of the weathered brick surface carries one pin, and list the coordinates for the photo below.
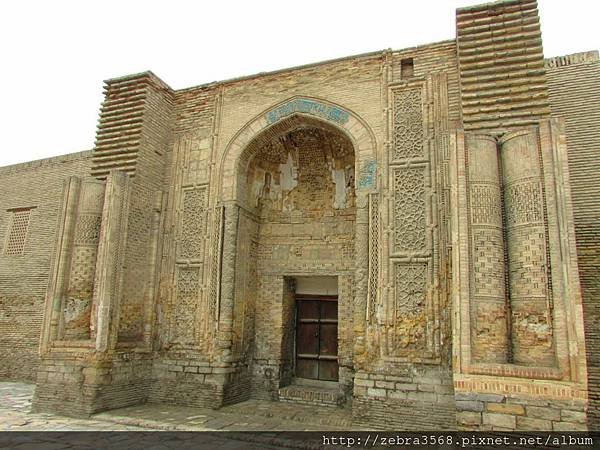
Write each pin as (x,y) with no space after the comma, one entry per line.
(72,387)
(172,276)
(24,277)
(490,412)
(503,84)
(412,401)
(572,82)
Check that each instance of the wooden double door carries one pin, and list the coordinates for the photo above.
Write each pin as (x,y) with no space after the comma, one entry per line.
(316,337)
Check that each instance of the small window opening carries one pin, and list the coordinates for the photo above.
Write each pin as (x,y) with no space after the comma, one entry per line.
(17,231)
(407,68)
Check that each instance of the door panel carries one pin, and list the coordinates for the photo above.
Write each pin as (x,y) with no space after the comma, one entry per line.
(307,344)
(328,344)
(329,310)
(308,309)
(328,370)
(316,338)
(307,368)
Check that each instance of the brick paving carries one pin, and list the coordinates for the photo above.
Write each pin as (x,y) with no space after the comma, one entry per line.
(16,415)
(252,415)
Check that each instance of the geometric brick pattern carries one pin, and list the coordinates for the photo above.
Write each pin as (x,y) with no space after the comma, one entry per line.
(409,209)
(527,277)
(488,263)
(409,326)
(485,204)
(488,305)
(410,282)
(184,324)
(373,254)
(193,219)
(531,300)
(523,203)
(216,244)
(88,229)
(83,267)
(407,312)
(408,124)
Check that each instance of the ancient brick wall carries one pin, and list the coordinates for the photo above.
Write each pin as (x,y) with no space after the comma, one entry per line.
(502,76)
(244,99)
(420,120)
(137,301)
(452,252)
(108,350)
(190,251)
(407,317)
(573,85)
(29,208)
(516,292)
(206,118)
(534,332)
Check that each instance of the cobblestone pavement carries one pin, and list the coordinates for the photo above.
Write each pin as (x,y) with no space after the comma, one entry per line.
(16,415)
(252,415)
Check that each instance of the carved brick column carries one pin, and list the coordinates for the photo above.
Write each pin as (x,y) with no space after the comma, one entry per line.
(111,250)
(488,309)
(361,281)
(530,299)
(60,276)
(545,364)
(226,304)
(69,313)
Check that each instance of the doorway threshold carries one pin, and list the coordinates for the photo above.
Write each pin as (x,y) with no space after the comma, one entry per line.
(333,385)
(313,392)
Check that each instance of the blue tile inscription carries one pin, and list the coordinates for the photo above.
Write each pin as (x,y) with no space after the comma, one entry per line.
(367,174)
(311,107)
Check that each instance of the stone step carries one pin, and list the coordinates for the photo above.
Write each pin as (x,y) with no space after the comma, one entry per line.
(312,395)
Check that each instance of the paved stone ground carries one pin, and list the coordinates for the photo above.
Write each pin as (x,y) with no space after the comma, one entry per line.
(253,415)
(16,415)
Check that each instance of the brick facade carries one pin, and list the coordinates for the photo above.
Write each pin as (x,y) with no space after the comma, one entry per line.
(440,195)
(24,272)
(571,83)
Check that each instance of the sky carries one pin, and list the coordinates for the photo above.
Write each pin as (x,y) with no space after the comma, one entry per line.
(56,54)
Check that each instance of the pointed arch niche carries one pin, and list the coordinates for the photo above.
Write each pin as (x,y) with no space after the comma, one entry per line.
(295,185)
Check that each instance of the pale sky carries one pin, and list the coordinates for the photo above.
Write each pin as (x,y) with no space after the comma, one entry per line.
(55,54)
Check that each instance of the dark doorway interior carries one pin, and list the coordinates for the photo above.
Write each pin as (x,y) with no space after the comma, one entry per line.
(316,337)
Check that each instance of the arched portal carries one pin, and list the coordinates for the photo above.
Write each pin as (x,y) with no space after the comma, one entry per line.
(317,111)
(299,183)
(294,252)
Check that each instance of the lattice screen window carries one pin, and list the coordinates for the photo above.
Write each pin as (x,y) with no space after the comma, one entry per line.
(17,231)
